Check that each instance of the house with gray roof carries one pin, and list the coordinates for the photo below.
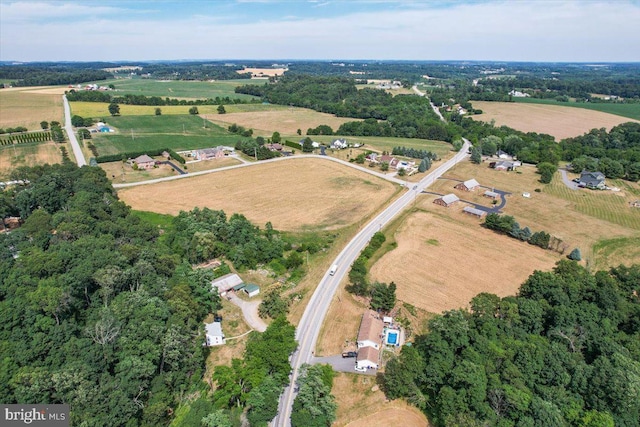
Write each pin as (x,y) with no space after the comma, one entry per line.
(446,200)
(468,185)
(593,180)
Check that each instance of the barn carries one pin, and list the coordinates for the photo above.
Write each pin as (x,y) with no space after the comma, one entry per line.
(447,200)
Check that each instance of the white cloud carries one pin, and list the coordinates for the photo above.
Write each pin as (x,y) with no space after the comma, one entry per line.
(29,11)
(515,31)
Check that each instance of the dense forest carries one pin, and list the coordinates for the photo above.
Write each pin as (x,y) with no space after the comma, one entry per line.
(564,352)
(96,302)
(49,74)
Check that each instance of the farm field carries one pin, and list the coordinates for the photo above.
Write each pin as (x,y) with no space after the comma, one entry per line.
(559,121)
(183,132)
(179,88)
(100,110)
(631,111)
(28,106)
(581,217)
(435,242)
(29,154)
(284,120)
(362,404)
(333,196)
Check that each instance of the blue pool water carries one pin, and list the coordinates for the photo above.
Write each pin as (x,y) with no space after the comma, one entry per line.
(392,337)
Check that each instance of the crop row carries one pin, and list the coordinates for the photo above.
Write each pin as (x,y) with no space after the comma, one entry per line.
(25,138)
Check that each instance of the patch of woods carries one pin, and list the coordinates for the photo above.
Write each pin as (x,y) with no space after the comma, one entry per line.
(563,352)
(132,99)
(45,75)
(382,296)
(506,224)
(95,302)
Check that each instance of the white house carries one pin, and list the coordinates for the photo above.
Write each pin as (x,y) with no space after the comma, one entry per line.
(368,358)
(339,144)
(214,334)
(370,332)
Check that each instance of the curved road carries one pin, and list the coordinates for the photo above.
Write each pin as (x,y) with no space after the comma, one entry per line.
(77,151)
(311,322)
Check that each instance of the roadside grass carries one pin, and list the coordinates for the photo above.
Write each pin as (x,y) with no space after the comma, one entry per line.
(23,108)
(30,154)
(631,111)
(179,88)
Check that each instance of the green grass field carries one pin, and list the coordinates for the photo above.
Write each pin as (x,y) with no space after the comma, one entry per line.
(180,132)
(625,250)
(631,111)
(604,205)
(179,88)
(377,143)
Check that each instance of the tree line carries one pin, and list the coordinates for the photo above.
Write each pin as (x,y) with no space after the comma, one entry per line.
(132,99)
(563,352)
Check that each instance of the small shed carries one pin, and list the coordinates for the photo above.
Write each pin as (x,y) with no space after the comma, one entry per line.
(238,287)
(468,185)
(251,290)
(473,211)
(447,200)
(214,334)
(491,194)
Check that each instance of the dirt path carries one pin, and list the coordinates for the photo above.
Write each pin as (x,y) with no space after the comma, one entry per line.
(249,311)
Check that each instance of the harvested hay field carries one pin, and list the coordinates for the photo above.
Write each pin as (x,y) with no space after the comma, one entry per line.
(294,194)
(561,122)
(433,243)
(285,121)
(362,404)
(12,157)
(28,107)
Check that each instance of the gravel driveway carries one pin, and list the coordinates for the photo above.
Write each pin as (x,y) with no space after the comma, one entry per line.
(572,185)
(249,311)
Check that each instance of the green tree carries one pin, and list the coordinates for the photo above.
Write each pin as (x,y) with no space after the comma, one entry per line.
(114,109)
(383,297)
(314,406)
(384,166)
(44,125)
(575,255)
(307,145)
(425,165)
(158,111)
(402,172)
(276,138)
(476,155)
(221,109)
(193,110)
(546,171)
(263,402)
(217,419)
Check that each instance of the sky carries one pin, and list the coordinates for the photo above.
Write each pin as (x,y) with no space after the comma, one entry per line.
(139,30)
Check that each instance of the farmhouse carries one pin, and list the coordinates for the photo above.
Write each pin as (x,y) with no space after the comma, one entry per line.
(367,358)
(503,155)
(392,161)
(214,334)
(209,153)
(339,144)
(370,332)
(447,200)
(505,165)
(274,147)
(468,185)
(473,211)
(372,157)
(226,283)
(592,180)
(144,162)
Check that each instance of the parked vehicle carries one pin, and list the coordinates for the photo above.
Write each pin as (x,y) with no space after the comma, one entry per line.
(349,354)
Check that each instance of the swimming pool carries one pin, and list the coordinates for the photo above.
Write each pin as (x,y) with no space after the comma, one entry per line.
(392,337)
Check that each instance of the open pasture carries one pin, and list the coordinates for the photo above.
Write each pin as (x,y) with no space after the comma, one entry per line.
(27,107)
(284,120)
(631,111)
(30,154)
(294,194)
(181,89)
(559,121)
(444,258)
(180,132)
(361,403)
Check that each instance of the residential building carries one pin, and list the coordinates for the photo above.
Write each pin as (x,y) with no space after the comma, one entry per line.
(144,162)
(468,185)
(214,335)
(592,180)
(473,211)
(370,332)
(367,358)
(447,200)
(209,153)
(226,283)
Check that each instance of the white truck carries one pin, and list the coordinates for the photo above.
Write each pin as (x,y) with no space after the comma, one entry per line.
(334,267)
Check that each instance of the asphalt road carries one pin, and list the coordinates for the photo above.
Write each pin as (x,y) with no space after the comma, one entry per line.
(313,317)
(77,151)
(572,185)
